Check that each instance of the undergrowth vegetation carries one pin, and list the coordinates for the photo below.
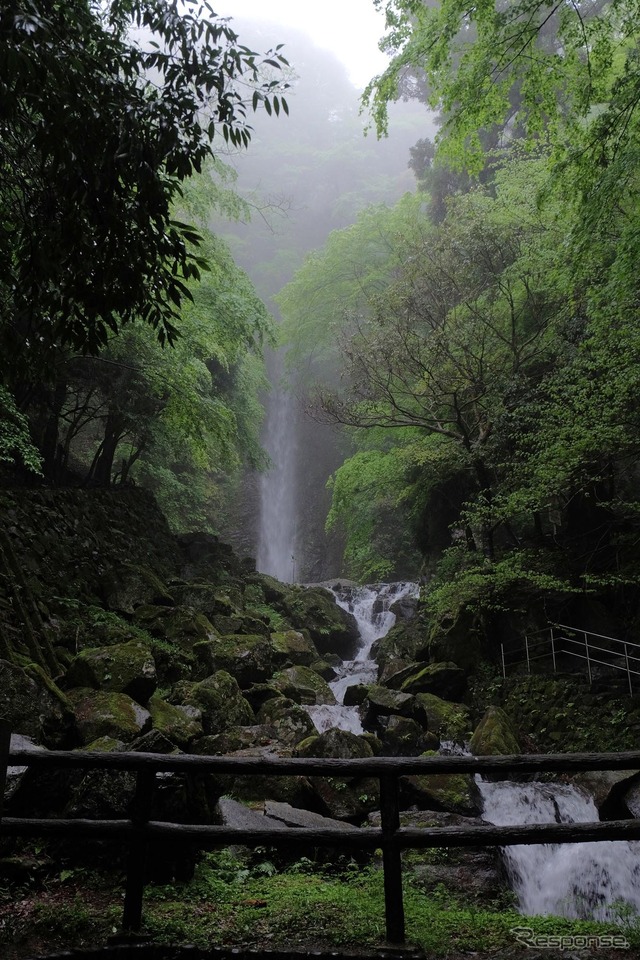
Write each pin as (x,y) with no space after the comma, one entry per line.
(238,902)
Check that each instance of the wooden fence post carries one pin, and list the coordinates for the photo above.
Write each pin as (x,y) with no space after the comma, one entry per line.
(391,860)
(5,746)
(137,861)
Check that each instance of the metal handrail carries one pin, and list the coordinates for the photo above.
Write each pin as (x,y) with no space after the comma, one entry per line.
(557,642)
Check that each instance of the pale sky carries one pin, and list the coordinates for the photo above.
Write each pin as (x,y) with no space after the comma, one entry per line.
(350,28)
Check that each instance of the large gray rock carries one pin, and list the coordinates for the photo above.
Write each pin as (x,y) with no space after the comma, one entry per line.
(231,813)
(331,628)
(382,702)
(288,816)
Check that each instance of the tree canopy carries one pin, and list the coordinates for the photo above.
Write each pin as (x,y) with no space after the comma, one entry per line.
(106,109)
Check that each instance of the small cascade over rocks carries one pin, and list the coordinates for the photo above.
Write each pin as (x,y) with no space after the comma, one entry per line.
(596,881)
(370,605)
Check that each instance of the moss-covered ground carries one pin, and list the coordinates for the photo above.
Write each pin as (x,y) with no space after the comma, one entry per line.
(230,903)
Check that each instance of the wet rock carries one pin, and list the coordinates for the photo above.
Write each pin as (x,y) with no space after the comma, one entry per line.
(459,640)
(122,668)
(355,695)
(324,670)
(614,792)
(339,744)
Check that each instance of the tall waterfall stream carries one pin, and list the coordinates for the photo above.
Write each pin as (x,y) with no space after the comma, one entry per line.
(599,881)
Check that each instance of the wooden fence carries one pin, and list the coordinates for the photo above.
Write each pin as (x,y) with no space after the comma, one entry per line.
(139,831)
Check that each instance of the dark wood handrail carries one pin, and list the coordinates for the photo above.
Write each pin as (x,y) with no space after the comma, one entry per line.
(139,832)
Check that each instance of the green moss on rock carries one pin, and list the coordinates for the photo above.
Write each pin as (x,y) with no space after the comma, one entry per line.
(494,735)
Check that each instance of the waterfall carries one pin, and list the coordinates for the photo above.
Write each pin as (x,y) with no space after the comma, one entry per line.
(370,607)
(598,881)
(276,548)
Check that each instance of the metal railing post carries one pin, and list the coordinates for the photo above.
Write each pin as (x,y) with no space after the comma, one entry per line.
(137,862)
(586,648)
(391,860)
(526,646)
(553,649)
(5,746)
(626,660)
(504,669)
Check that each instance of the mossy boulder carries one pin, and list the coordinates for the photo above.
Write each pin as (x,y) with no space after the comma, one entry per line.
(134,586)
(454,793)
(173,662)
(100,713)
(221,702)
(293,648)
(179,625)
(247,658)
(406,642)
(494,735)
(449,721)
(290,722)
(343,799)
(34,705)
(174,722)
(446,680)
(403,737)
(339,744)
(331,628)
(208,598)
(122,668)
(239,738)
(382,702)
(303,685)
(459,640)
(355,695)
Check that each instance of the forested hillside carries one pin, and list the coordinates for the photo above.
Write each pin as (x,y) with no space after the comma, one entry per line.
(479,340)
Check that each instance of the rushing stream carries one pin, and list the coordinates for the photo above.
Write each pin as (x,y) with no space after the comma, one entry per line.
(598,881)
(370,607)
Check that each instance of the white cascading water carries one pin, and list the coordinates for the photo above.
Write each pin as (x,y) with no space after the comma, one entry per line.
(370,607)
(276,545)
(597,881)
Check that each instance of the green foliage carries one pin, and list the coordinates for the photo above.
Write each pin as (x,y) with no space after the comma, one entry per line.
(103,130)
(16,445)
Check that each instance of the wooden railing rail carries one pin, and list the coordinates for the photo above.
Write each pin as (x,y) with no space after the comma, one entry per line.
(138,831)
